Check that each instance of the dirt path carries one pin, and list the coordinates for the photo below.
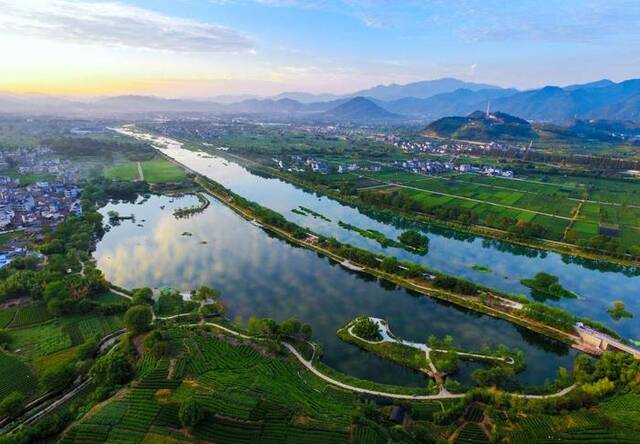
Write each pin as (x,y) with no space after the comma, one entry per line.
(140,173)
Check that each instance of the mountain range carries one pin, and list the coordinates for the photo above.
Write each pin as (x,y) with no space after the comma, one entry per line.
(426,100)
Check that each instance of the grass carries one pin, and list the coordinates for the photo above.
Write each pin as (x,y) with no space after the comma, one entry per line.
(126,171)
(482,268)
(157,170)
(27,179)
(160,170)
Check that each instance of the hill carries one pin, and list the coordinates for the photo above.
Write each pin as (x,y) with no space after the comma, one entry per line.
(478,126)
(359,109)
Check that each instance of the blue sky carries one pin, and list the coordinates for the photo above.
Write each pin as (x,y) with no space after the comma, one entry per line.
(210,47)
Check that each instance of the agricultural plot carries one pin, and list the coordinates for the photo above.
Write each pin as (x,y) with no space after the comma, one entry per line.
(40,340)
(6,316)
(83,327)
(471,433)
(30,314)
(15,375)
(255,399)
(109,298)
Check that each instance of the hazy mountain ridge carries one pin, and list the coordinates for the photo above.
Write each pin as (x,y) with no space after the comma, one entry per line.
(602,99)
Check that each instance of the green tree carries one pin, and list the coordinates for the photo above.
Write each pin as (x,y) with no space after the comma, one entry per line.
(307,331)
(58,377)
(142,296)
(190,413)
(138,318)
(207,293)
(291,327)
(12,404)
(56,290)
(111,370)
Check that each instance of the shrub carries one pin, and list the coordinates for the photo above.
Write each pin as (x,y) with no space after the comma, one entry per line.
(138,318)
(190,413)
(12,404)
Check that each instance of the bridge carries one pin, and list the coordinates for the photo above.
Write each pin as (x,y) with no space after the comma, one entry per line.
(603,342)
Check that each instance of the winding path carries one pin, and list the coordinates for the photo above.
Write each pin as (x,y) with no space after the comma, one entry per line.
(443,394)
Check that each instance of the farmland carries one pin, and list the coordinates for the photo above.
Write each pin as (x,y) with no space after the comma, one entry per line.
(248,396)
(569,209)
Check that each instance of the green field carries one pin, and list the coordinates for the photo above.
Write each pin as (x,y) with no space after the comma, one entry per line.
(548,201)
(157,170)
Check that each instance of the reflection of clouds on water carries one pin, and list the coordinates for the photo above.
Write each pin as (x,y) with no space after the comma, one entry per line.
(267,277)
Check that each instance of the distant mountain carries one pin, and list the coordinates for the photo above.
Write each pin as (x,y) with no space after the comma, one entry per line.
(359,109)
(420,90)
(591,101)
(459,102)
(478,126)
(596,84)
(151,104)
(304,97)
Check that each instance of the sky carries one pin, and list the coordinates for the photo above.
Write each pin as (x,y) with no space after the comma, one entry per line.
(207,48)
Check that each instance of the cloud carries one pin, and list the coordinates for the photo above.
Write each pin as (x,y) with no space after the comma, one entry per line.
(117,24)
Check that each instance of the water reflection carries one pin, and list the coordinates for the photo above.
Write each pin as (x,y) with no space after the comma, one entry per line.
(599,284)
(264,276)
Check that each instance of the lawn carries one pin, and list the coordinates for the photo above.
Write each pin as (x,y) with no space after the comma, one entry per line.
(125,171)
(157,170)
(160,170)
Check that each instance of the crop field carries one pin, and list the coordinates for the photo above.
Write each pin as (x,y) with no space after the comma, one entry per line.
(471,433)
(15,375)
(6,316)
(548,201)
(30,315)
(40,340)
(259,399)
(582,425)
(84,327)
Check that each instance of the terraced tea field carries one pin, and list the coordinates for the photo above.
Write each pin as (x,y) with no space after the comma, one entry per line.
(248,397)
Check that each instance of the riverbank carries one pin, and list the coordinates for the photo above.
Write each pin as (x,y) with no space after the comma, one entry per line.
(493,306)
(422,218)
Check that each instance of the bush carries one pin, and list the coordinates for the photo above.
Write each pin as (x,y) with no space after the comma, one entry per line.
(111,370)
(190,413)
(12,404)
(138,319)
(57,378)
(367,329)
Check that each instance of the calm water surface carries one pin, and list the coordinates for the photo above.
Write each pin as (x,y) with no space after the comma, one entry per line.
(598,284)
(267,277)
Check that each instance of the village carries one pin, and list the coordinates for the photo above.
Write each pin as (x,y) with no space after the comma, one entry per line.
(29,207)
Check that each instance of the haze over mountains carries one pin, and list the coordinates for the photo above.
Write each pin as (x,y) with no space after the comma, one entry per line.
(425,100)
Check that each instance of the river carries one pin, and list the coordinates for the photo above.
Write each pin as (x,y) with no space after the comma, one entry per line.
(597,283)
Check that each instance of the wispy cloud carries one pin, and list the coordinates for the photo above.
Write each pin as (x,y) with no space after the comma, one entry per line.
(117,24)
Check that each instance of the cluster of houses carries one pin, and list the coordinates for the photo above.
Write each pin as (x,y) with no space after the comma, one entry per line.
(438,167)
(39,160)
(439,148)
(36,206)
